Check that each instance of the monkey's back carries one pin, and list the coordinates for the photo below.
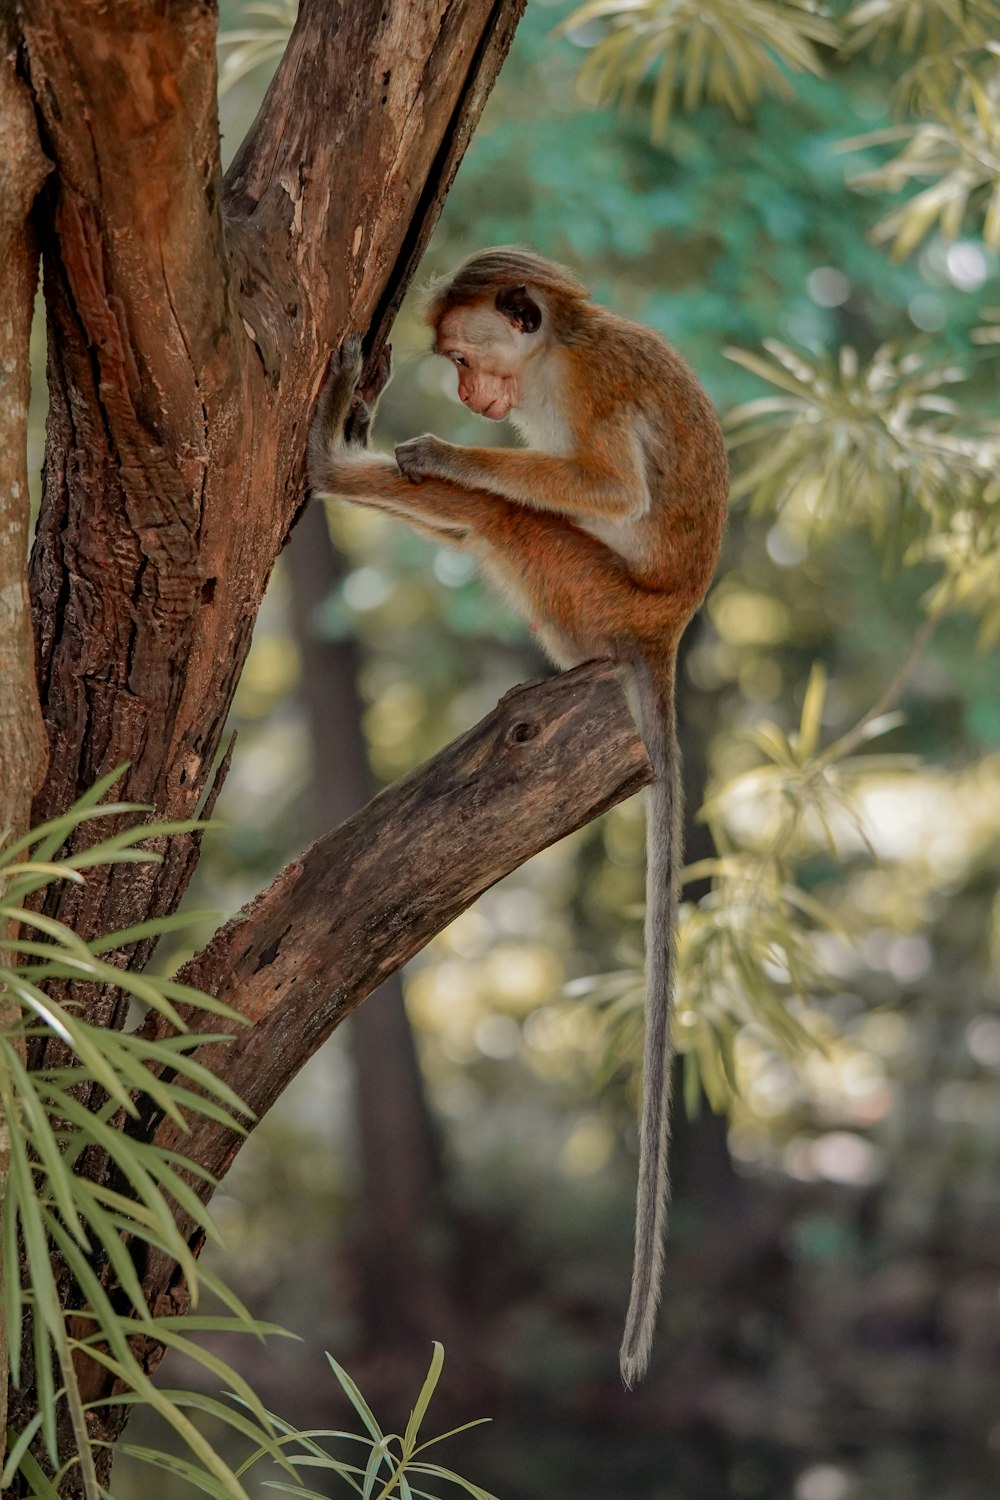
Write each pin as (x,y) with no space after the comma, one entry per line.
(683,452)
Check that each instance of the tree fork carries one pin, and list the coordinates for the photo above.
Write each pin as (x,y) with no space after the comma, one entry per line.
(190,318)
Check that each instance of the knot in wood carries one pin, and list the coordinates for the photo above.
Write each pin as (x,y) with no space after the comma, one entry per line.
(521,732)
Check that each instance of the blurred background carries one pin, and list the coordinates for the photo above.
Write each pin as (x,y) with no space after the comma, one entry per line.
(459,1161)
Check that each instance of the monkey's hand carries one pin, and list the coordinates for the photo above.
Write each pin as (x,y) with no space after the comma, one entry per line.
(425,457)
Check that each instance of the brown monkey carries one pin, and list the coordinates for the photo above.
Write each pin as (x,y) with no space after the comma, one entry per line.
(604,532)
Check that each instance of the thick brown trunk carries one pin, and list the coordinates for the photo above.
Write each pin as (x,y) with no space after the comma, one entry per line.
(189,321)
(22,738)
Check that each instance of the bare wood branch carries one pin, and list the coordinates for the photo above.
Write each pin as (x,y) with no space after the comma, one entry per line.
(363,900)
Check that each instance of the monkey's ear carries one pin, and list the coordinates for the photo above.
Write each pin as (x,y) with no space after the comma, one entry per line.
(519,308)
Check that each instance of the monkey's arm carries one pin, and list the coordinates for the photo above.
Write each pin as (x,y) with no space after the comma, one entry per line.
(338,461)
(604,481)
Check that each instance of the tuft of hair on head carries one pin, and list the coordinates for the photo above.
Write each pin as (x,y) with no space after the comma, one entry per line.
(489,271)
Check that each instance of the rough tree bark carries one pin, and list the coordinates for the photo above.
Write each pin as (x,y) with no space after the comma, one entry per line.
(188,319)
(22,737)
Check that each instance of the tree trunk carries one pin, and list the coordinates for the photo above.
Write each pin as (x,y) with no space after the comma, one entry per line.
(189,317)
(22,738)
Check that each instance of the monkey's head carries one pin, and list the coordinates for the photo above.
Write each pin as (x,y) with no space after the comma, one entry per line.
(498,312)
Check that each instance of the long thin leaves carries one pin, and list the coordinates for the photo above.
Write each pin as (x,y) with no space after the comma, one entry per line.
(57,1222)
(727,52)
(245,48)
(392,1461)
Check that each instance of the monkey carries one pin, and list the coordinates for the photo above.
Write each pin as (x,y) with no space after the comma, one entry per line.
(603,530)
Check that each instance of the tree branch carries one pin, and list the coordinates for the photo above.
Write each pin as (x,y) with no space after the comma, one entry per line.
(363,900)
(406,85)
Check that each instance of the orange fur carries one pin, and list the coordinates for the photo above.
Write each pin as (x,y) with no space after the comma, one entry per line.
(604,531)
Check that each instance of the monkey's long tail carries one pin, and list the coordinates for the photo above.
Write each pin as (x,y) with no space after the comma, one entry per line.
(663,862)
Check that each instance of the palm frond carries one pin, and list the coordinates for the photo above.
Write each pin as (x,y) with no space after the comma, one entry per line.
(926,26)
(955,151)
(876,442)
(728,52)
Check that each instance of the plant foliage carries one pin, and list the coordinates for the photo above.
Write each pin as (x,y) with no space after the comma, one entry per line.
(59,1222)
(243,49)
(728,52)
(955,149)
(390,1466)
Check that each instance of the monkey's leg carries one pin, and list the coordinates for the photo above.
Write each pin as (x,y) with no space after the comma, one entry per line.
(372,479)
(439,531)
(606,482)
(562,574)
(557,572)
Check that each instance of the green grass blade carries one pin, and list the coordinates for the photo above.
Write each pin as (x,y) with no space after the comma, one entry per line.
(45,1146)
(379,1455)
(13,1296)
(423,1399)
(182,1468)
(356,1399)
(154,927)
(77,1035)
(41,1486)
(122,1151)
(434,1471)
(17,1450)
(160,1328)
(50,836)
(50,1326)
(452,1432)
(130,1373)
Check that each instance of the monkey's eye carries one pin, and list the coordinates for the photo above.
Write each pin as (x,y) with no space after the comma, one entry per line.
(460,359)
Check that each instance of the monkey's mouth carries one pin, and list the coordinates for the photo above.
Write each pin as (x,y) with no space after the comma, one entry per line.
(495,416)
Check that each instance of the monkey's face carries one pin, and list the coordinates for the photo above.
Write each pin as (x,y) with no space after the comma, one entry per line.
(488,354)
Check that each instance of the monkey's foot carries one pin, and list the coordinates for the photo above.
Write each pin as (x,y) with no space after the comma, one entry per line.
(361,413)
(381,373)
(333,406)
(343,370)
